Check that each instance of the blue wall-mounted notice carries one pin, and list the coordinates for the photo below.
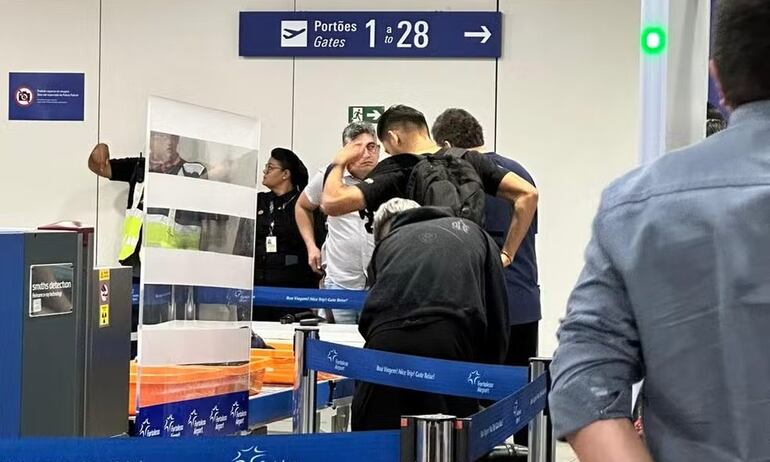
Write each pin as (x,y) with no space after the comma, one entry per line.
(45,96)
(406,34)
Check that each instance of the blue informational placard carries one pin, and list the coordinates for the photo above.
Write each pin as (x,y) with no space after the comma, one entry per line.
(213,416)
(394,34)
(46,96)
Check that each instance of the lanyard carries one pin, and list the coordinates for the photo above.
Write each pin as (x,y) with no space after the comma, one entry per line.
(272,208)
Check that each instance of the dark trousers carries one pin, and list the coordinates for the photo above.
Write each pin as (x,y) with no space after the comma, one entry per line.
(522,346)
(377,407)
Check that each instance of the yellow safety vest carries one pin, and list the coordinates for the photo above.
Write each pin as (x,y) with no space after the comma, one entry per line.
(162,230)
(132,225)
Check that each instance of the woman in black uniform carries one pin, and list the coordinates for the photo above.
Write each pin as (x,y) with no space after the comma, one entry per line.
(280,255)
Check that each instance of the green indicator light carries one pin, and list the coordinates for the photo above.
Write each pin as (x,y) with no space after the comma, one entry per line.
(653,40)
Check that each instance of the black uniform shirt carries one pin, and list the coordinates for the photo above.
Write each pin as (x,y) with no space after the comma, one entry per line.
(287,266)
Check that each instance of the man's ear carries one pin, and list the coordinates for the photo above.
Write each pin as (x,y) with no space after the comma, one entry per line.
(447,144)
(394,138)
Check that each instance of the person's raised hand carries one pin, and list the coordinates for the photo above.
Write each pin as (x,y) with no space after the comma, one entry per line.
(350,153)
(99,160)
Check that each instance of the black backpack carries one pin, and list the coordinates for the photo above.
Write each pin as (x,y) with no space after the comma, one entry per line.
(445,179)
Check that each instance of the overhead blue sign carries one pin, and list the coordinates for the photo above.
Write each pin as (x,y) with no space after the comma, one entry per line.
(45,96)
(405,34)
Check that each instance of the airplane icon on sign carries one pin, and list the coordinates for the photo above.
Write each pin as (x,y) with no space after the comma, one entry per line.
(294,33)
(291,33)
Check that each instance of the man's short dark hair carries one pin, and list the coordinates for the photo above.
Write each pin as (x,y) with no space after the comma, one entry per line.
(459,127)
(400,116)
(742,50)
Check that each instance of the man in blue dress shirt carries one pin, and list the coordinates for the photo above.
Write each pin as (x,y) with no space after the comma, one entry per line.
(676,286)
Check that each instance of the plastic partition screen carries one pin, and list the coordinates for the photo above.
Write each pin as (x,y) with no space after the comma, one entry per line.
(192,376)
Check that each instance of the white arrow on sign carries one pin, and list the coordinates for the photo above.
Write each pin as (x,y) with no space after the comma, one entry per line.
(374,115)
(483,35)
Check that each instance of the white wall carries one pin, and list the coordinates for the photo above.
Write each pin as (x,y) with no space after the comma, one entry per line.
(568,111)
(44,177)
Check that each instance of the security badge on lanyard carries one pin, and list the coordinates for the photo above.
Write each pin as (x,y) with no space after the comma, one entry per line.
(271,241)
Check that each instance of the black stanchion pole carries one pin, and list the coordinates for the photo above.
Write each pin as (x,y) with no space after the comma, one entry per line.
(408,436)
(461,435)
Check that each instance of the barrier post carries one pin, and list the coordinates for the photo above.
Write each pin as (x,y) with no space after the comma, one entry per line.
(435,442)
(304,402)
(542,447)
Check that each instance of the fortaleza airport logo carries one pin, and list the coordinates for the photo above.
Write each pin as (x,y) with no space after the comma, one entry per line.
(238,414)
(146,429)
(254,454)
(339,365)
(24,97)
(482,387)
(198,425)
(171,428)
(219,420)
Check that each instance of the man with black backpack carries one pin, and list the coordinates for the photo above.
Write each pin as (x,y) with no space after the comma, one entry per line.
(420,170)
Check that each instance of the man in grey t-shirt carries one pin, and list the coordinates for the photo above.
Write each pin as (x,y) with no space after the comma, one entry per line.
(676,287)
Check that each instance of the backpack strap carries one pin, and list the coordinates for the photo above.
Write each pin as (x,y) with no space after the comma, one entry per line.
(457,153)
(327,173)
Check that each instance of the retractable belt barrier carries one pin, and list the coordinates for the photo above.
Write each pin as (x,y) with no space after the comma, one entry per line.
(496,423)
(455,378)
(264,296)
(335,447)
(518,402)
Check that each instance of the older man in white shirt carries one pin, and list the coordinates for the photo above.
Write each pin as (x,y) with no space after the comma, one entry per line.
(348,247)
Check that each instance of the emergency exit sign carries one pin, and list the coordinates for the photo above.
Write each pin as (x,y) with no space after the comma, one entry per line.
(365,113)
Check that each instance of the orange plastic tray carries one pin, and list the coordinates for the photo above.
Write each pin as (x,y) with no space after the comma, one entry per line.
(282,346)
(179,383)
(280,368)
